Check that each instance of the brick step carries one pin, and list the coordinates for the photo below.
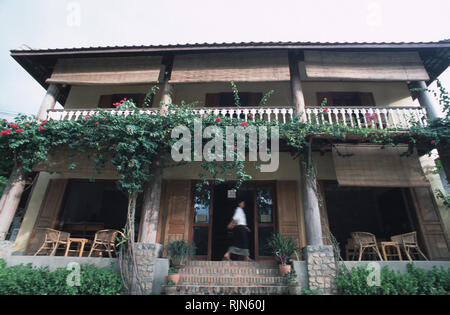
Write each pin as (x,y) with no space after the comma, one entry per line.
(235,271)
(184,289)
(224,279)
(241,264)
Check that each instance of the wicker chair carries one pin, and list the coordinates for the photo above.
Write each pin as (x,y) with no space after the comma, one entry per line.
(52,240)
(104,242)
(363,241)
(409,244)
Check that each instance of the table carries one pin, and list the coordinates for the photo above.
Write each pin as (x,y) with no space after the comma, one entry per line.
(81,243)
(393,252)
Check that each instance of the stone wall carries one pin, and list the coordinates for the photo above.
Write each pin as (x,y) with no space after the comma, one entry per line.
(151,269)
(321,268)
(6,248)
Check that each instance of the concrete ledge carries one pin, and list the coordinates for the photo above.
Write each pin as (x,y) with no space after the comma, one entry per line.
(301,272)
(400,265)
(54,262)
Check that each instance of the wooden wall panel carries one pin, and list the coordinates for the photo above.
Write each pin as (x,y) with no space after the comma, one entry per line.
(49,214)
(178,209)
(430,224)
(288,206)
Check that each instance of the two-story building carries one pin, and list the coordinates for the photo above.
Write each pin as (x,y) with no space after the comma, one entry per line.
(365,84)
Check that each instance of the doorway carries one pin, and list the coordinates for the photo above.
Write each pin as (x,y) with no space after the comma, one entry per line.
(214,209)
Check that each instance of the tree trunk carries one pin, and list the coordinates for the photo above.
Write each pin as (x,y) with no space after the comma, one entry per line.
(151,205)
(10,199)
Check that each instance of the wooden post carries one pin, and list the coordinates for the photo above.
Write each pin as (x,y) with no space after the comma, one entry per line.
(426,101)
(310,201)
(298,100)
(150,207)
(10,199)
(166,97)
(49,101)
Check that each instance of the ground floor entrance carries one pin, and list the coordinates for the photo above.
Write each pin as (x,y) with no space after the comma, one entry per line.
(214,208)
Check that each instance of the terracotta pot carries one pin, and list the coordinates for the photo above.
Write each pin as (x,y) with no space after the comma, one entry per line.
(171,290)
(175,277)
(284,269)
(178,262)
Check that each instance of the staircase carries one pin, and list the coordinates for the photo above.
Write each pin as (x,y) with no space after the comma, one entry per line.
(231,277)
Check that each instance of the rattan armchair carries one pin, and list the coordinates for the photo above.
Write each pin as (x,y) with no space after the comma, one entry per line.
(363,241)
(409,244)
(52,240)
(104,242)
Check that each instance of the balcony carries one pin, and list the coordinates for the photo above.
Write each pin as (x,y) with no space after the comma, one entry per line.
(397,118)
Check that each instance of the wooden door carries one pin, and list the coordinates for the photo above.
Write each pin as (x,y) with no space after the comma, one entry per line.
(49,214)
(288,205)
(430,224)
(178,210)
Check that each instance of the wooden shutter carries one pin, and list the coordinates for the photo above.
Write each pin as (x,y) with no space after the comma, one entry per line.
(49,214)
(254,99)
(105,101)
(288,205)
(430,224)
(178,209)
(212,100)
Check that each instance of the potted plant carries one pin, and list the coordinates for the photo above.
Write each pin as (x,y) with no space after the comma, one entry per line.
(171,288)
(283,248)
(179,252)
(173,275)
(291,279)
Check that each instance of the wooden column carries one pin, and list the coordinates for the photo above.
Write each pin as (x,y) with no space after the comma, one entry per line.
(49,101)
(151,206)
(10,199)
(152,194)
(310,200)
(298,100)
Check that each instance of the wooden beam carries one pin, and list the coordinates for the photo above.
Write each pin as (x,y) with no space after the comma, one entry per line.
(49,101)
(151,207)
(298,99)
(10,200)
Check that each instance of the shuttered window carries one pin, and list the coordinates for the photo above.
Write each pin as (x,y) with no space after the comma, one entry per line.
(107,101)
(227,99)
(346,98)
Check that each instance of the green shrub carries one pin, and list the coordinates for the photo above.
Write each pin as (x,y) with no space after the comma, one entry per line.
(415,281)
(28,280)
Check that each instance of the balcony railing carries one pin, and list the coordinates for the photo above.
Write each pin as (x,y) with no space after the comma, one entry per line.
(400,118)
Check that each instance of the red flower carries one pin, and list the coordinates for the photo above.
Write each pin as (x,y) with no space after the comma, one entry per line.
(133,163)
(86,117)
(116,104)
(5,132)
(13,125)
(28,125)
(19,130)
(432,141)
(43,122)
(326,110)
(40,128)
(97,122)
(244,124)
(218,119)
(104,118)
(233,146)
(4,119)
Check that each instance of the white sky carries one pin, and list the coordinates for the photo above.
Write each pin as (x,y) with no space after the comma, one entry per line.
(56,23)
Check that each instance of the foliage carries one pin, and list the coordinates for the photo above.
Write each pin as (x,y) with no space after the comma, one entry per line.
(416,281)
(3,183)
(28,280)
(173,270)
(310,292)
(291,278)
(170,282)
(180,251)
(282,247)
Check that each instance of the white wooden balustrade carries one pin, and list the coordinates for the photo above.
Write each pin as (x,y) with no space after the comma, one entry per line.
(359,117)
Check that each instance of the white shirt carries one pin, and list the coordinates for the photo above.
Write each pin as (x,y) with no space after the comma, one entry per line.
(239,216)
